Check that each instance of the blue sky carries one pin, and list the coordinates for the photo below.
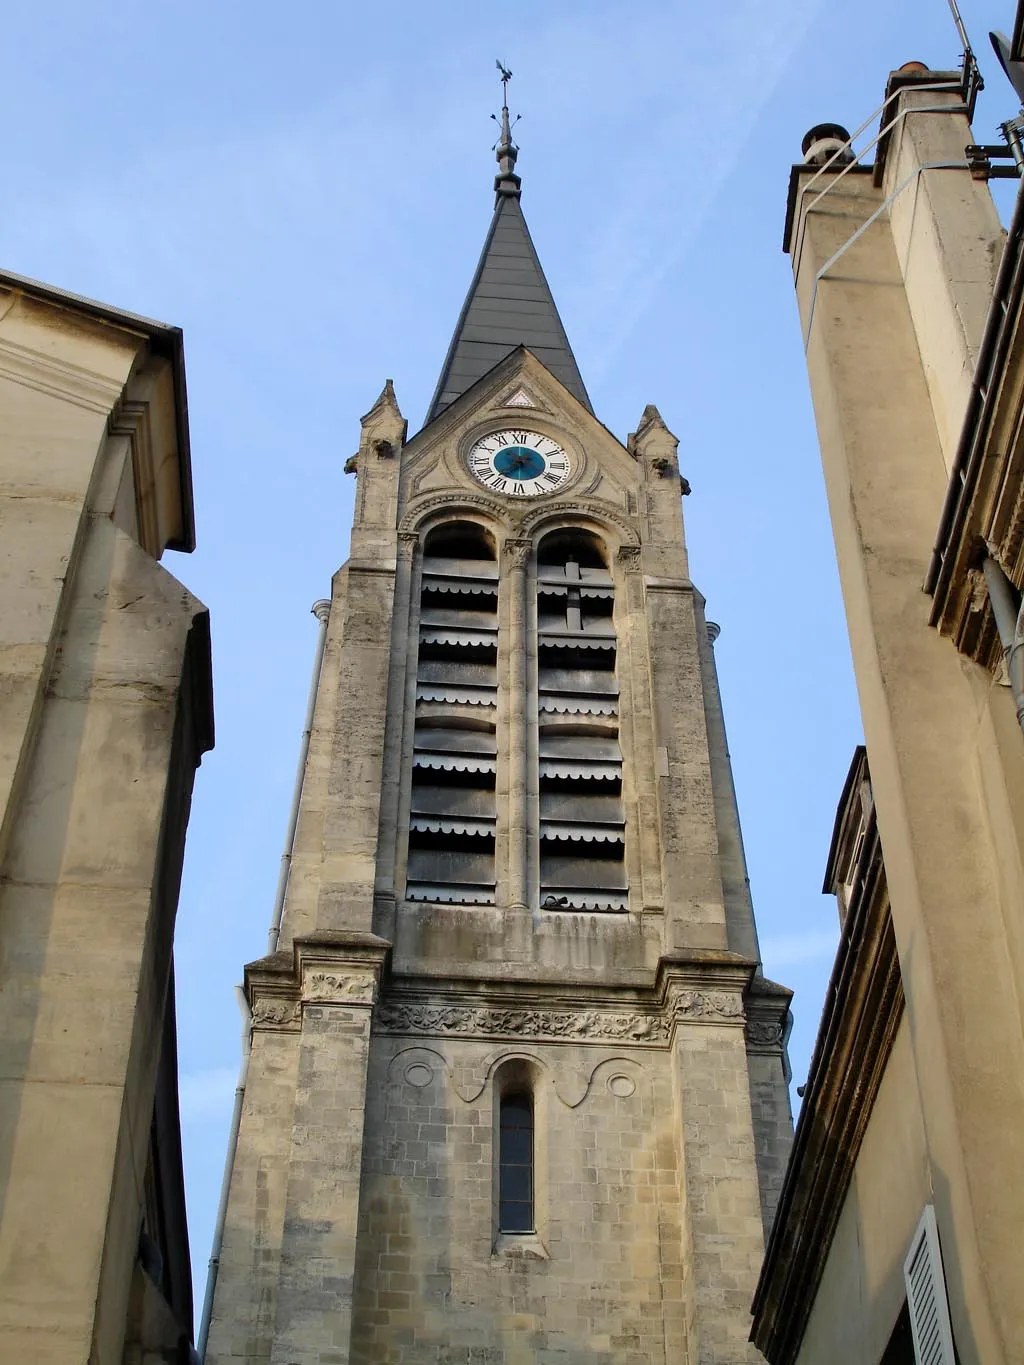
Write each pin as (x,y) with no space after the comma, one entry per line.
(305,190)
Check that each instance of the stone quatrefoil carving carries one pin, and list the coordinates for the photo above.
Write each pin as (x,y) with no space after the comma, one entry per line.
(711,1006)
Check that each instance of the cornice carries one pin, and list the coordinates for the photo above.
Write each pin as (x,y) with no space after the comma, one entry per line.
(57,378)
(349,971)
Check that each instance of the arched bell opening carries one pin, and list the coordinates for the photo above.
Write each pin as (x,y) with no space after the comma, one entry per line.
(582,822)
(452,807)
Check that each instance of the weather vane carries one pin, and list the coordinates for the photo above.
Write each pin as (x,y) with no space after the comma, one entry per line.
(506,128)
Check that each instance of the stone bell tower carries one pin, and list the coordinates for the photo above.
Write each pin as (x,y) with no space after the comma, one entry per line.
(516,1085)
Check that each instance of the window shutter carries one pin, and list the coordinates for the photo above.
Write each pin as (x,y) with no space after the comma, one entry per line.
(926,1295)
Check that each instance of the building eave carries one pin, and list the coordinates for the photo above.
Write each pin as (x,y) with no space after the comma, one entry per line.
(165,341)
(863,1008)
(984,508)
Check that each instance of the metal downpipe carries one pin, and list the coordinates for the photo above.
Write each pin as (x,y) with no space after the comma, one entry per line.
(225,1188)
(322,611)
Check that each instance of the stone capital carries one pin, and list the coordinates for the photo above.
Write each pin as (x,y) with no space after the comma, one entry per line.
(516,553)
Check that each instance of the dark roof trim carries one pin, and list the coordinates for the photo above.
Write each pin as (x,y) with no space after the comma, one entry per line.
(863,1009)
(165,341)
(1002,317)
(858,769)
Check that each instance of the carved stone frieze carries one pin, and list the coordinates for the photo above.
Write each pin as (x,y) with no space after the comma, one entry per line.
(275,1012)
(585,1024)
(335,988)
(709,1005)
(527,1023)
(765,1032)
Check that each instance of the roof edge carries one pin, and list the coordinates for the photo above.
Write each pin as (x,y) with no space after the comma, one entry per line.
(165,340)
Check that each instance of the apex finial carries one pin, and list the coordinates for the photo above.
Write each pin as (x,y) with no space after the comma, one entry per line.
(506,182)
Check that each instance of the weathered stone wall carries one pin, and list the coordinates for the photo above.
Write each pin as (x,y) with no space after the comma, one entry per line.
(604,1273)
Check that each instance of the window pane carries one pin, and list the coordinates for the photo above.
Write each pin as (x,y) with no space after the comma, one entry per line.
(515,1164)
(516,1112)
(516,1217)
(517,1183)
(516,1147)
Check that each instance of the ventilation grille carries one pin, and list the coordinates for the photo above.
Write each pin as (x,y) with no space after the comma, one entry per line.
(926,1295)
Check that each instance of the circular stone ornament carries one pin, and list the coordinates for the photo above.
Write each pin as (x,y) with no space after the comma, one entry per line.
(419,1075)
(622,1086)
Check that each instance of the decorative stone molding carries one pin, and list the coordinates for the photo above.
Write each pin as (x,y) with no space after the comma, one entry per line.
(418,513)
(275,1012)
(334,988)
(714,630)
(516,553)
(629,557)
(321,609)
(767,1033)
(588,1025)
(407,543)
(717,1006)
(595,508)
(596,1025)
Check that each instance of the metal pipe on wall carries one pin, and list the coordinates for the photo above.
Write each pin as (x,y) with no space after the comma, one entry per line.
(225,1188)
(322,611)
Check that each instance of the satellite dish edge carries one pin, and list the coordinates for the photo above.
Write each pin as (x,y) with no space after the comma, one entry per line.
(1014,70)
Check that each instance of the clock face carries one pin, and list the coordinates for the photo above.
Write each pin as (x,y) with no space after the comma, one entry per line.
(521,464)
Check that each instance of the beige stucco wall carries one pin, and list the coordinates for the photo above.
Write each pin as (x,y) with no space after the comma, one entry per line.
(939,737)
(97,752)
(861,1291)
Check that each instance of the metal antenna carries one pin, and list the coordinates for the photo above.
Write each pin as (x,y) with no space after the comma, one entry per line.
(973,82)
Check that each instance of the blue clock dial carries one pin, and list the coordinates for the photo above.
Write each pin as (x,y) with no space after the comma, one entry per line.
(520,464)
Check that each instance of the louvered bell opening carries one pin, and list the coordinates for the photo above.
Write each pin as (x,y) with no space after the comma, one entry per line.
(582,825)
(582,828)
(452,816)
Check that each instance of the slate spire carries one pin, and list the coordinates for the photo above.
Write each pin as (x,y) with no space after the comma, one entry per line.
(509,303)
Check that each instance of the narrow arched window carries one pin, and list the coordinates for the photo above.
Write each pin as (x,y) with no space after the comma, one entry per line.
(515,1164)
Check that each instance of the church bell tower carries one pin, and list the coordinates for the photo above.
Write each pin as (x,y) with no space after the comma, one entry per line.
(516,1086)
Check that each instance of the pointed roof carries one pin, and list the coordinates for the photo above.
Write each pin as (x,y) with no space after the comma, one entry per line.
(509,303)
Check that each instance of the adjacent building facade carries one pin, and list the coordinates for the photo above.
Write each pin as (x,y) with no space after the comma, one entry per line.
(516,1086)
(898,1237)
(105,709)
